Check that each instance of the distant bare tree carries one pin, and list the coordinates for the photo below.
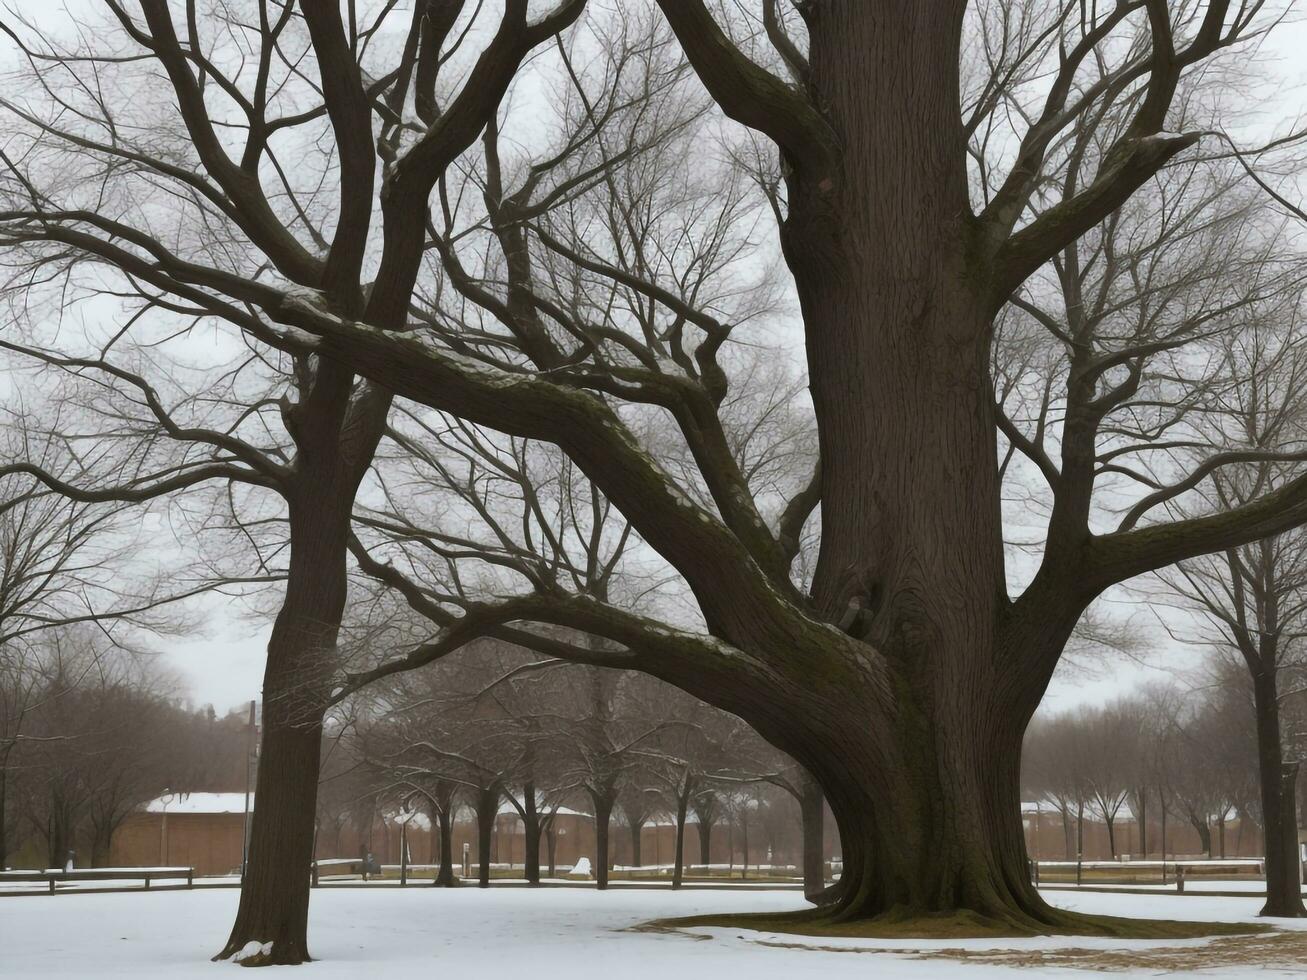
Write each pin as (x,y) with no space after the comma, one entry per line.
(1253,599)
(99,740)
(67,566)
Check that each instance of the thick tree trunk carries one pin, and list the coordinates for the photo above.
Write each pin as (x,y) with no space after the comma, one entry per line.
(929,821)
(445,877)
(603,817)
(487,809)
(813,807)
(274,906)
(1279,813)
(678,862)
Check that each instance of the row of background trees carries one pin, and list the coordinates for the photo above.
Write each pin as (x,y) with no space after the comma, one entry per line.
(92,731)
(490,728)
(1165,755)
(88,732)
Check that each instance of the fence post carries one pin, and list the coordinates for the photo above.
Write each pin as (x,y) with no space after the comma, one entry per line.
(190,877)
(1179,879)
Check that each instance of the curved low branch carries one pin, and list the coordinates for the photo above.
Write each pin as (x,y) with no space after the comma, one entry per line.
(691,538)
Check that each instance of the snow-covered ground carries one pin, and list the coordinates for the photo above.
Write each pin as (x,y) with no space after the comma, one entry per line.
(579,934)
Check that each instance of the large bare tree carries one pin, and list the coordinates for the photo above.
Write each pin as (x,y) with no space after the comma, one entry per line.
(909,207)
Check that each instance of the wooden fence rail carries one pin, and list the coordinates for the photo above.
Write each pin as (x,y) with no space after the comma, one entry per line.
(56,877)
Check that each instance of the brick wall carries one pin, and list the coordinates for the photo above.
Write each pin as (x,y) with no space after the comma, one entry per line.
(208,842)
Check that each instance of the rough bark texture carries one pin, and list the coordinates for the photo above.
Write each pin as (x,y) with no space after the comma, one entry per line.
(911,561)
(1279,810)
(275,891)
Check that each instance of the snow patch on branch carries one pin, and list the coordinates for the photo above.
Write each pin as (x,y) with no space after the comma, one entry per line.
(1165,138)
(295,335)
(480,371)
(311,301)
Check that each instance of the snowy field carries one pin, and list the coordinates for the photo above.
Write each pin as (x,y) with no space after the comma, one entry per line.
(581,934)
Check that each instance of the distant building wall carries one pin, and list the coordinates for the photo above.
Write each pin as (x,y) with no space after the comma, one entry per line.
(1050,838)
(210,843)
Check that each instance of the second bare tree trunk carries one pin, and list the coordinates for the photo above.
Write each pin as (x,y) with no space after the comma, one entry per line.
(1279,810)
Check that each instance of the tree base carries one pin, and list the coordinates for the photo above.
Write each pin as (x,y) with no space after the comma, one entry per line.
(959,924)
(254,953)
